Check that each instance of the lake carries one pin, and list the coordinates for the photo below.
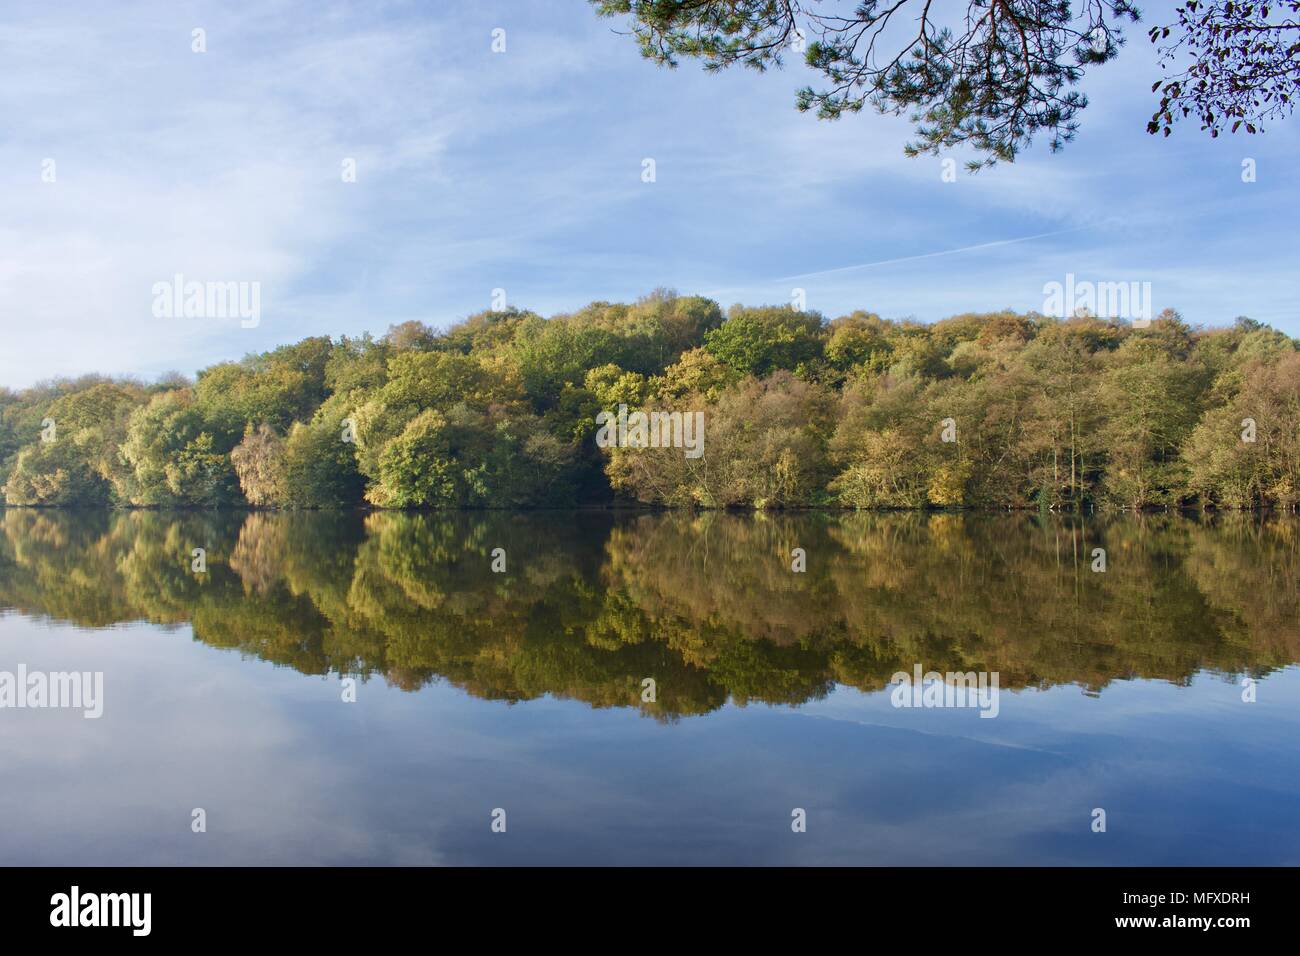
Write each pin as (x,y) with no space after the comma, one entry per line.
(630,688)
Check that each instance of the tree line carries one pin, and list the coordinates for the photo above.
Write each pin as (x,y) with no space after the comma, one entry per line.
(998,410)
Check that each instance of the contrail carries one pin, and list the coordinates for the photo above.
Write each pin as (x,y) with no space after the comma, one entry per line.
(929,255)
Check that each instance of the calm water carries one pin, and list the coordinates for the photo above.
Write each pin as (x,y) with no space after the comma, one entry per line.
(523,690)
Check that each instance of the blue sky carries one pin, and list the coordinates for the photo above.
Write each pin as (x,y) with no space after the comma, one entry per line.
(522,171)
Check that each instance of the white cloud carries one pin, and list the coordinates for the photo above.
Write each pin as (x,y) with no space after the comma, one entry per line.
(521,170)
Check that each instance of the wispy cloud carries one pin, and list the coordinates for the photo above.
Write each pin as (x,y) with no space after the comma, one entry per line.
(521,171)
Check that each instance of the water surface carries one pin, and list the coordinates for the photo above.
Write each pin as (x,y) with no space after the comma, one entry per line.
(524,690)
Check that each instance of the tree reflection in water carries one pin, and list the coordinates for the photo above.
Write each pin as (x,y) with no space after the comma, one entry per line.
(592,603)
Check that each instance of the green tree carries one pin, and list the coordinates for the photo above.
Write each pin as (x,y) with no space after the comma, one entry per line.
(157,437)
(761,341)
(320,461)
